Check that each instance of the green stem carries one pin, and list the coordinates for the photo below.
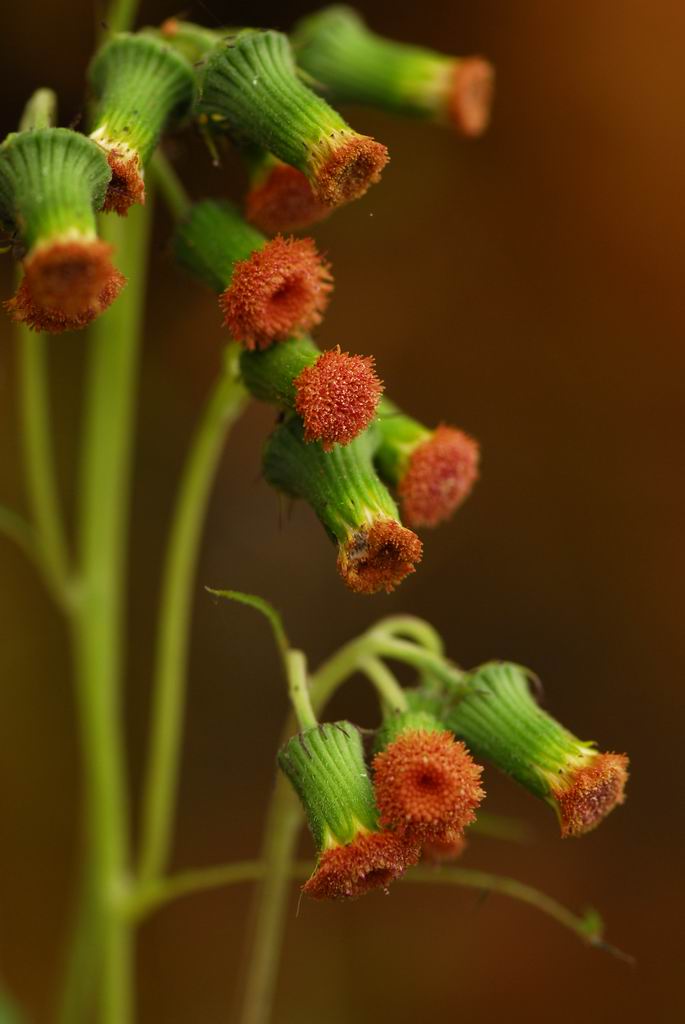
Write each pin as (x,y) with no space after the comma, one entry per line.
(225,405)
(298,689)
(412,628)
(170,186)
(386,684)
(40,111)
(18,530)
(36,439)
(98,633)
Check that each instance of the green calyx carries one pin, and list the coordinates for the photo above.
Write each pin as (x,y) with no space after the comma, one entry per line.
(397,724)
(269,374)
(211,238)
(398,437)
(355,65)
(250,88)
(141,85)
(501,721)
(190,40)
(52,180)
(341,486)
(326,768)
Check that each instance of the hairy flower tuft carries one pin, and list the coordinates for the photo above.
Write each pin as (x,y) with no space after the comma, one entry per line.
(277,291)
(66,285)
(584,796)
(427,785)
(127,185)
(440,475)
(470,98)
(337,397)
(371,861)
(378,556)
(346,167)
(448,848)
(283,200)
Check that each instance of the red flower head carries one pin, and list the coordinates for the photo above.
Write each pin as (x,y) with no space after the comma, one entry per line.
(449,848)
(379,556)
(337,397)
(439,477)
(283,201)
(346,167)
(66,285)
(279,290)
(126,186)
(470,100)
(585,795)
(427,785)
(371,861)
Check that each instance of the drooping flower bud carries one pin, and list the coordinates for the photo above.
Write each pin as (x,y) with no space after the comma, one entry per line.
(52,180)
(501,721)
(334,393)
(250,88)
(357,66)
(375,552)
(433,470)
(268,289)
(326,767)
(444,850)
(427,784)
(280,197)
(141,85)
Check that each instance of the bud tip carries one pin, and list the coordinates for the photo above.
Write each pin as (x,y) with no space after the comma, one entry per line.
(441,473)
(337,397)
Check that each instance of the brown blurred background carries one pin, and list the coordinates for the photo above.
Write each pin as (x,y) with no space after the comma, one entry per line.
(528,288)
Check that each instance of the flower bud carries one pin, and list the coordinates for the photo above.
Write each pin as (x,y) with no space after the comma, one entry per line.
(268,289)
(427,784)
(433,470)
(250,88)
(52,180)
(280,197)
(326,768)
(335,393)
(500,721)
(141,84)
(375,552)
(355,65)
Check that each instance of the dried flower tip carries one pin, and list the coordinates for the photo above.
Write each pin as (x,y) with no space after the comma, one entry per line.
(337,397)
(65,286)
(141,84)
(427,785)
(500,720)
(444,850)
(375,552)
(345,166)
(251,87)
(439,477)
(277,291)
(379,556)
(585,795)
(372,861)
(355,65)
(470,100)
(281,199)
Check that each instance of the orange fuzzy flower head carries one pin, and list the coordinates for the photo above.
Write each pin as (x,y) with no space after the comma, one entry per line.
(470,99)
(345,166)
(427,785)
(337,397)
(439,477)
(371,861)
(126,187)
(283,201)
(379,556)
(585,795)
(444,850)
(66,285)
(279,290)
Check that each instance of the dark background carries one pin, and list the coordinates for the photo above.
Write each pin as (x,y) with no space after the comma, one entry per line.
(526,287)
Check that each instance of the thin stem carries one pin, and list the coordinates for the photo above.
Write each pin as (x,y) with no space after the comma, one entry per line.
(36,438)
(225,405)
(386,684)
(413,628)
(187,883)
(120,16)
(98,633)
(298,689)
(170,186)
(18,530)
(40,111)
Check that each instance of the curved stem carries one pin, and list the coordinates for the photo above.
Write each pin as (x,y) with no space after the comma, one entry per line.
(225,404)
(16,529)
(298,689)
(413,628)
(386,684)
(170,186)
(36,439)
